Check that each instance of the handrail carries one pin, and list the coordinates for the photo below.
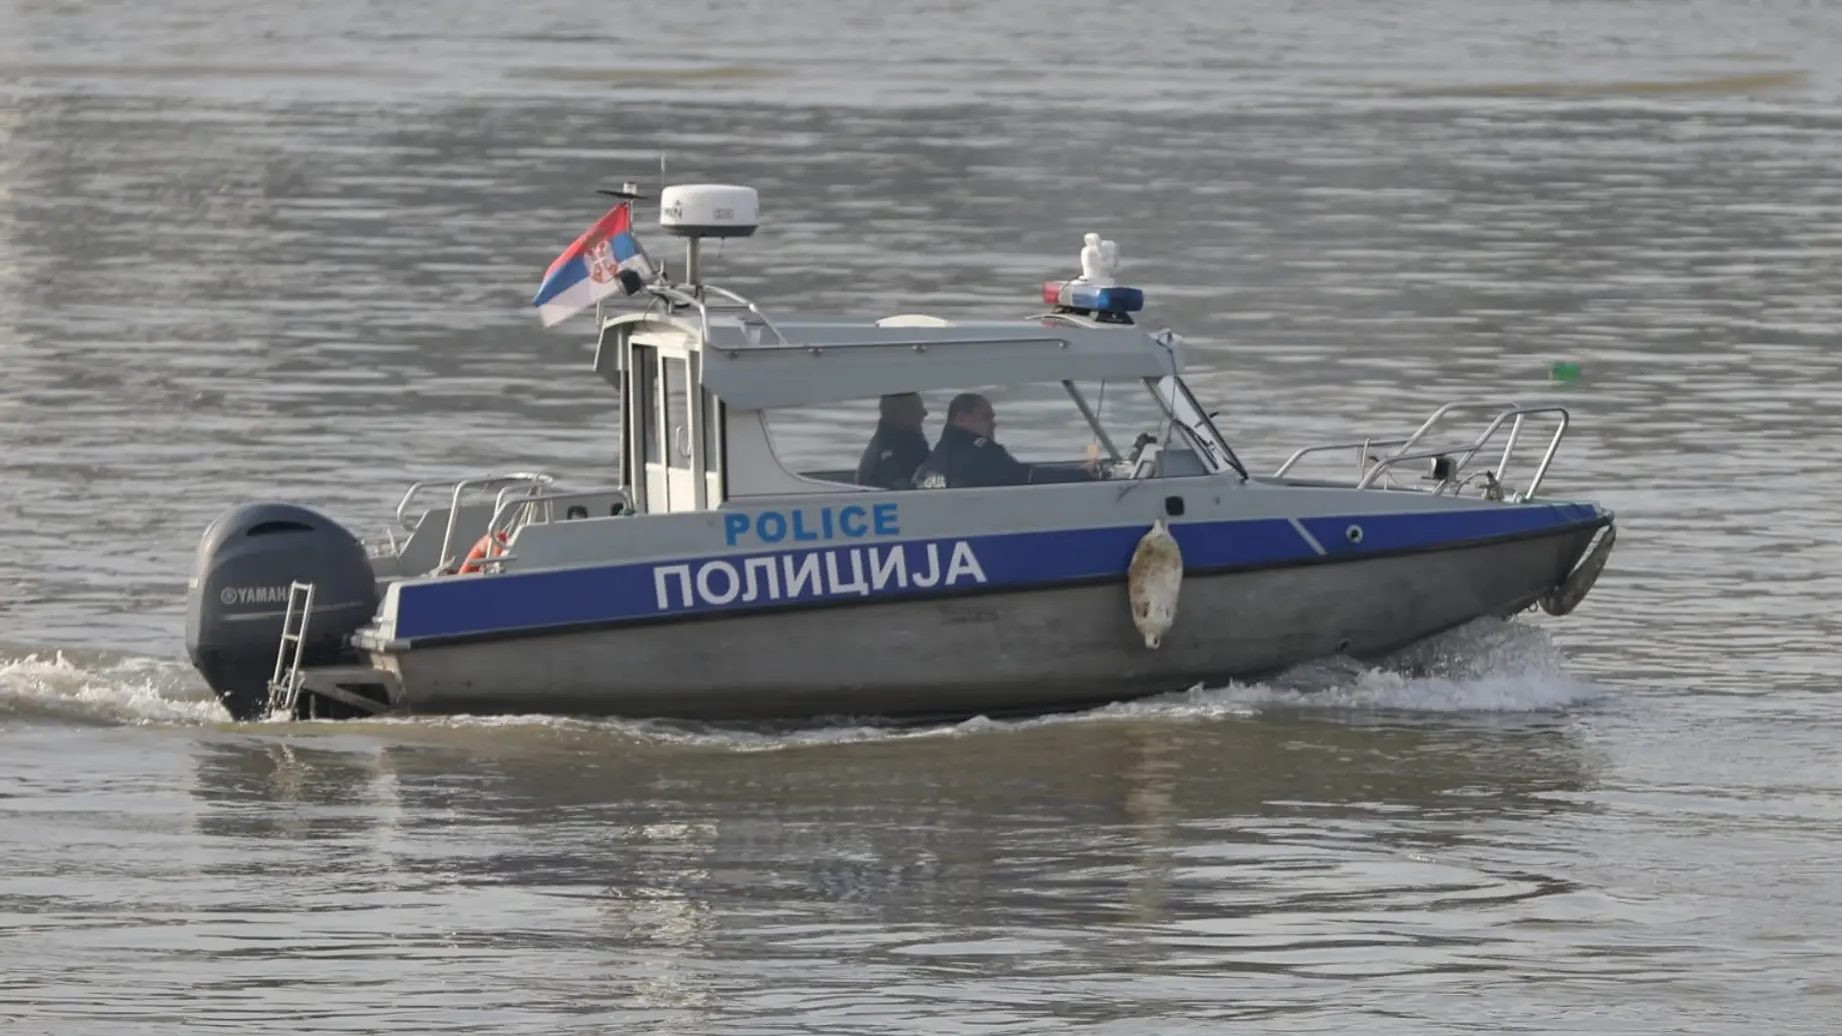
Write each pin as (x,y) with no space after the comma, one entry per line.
(1519,413)
(416,488)
(523,504)
(1547,457)
(1457,404)
(507,506)
(675,294)
(1403,449)
(1514,430)
(488,482)
(752,308)
(902,343)
(403,504)
(1359,444)
(1468,452)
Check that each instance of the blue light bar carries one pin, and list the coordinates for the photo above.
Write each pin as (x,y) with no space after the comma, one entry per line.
(1111,299)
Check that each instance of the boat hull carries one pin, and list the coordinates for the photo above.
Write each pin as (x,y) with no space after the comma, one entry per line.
(988,652)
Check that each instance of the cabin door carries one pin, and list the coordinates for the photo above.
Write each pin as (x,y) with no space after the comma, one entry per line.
(669,434)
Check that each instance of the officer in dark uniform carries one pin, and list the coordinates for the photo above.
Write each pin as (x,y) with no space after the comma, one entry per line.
(967,456)
(898,447)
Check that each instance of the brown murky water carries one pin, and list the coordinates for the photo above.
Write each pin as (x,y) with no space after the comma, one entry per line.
(261,250)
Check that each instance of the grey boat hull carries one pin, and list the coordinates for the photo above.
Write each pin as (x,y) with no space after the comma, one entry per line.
(988,652)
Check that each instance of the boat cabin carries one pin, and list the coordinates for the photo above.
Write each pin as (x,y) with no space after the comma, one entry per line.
(719,403)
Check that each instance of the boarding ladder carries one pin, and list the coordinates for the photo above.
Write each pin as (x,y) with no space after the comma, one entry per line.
(285,683)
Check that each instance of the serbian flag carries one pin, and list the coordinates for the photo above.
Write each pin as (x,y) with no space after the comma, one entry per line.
(607,258)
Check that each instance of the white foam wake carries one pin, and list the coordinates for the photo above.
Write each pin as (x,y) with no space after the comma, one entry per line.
(1485,668)
(1489,666)
(122,690)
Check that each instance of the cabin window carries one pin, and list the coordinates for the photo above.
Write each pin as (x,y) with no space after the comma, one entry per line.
(677,413)
(713,423)
(1038,423)
(644,360)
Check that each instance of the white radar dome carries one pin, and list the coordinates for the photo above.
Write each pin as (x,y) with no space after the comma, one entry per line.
(709,210)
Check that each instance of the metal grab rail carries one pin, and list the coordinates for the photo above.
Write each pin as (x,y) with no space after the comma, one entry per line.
(511,514)
(506,507)
(1403,448)
(1439,414)
(676,295)
(416,488)
(1365,445)
(1466,453)
(489,482)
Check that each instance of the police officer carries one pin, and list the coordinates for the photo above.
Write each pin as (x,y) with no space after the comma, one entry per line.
(966,455)
(898,447)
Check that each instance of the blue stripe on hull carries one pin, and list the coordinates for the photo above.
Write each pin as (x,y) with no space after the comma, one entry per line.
(529,601)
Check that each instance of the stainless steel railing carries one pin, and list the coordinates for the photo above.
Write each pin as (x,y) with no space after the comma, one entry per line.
(1404,450)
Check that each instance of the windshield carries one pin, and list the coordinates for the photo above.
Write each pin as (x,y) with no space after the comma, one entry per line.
(1119,425)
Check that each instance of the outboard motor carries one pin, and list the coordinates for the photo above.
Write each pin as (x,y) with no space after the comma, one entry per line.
(238,597)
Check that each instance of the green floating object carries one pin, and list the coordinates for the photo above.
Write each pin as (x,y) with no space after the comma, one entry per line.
(1563,370)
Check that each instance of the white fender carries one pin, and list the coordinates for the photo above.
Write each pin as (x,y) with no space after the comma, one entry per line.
(1153,581)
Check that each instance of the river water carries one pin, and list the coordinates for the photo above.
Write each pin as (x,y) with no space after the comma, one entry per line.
(257,250)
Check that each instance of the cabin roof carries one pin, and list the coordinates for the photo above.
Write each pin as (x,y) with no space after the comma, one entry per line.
(823,360)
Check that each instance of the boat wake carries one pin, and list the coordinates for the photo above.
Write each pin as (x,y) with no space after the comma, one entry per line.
(1485,668)
(93,688)
(1489,666)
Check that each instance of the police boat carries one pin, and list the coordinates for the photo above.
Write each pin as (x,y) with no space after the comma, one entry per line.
(740,569)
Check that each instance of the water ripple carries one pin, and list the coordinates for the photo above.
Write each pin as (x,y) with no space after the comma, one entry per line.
(259,250)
